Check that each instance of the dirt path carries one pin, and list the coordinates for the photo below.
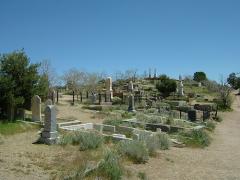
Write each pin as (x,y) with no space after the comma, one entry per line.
(221,160)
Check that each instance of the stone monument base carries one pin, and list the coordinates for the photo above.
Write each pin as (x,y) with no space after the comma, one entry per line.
(49,137)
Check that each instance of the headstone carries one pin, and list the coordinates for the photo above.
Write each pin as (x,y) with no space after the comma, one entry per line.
(192,115)
(36,108)
(109,91)
(93,98)
(49,134)
(180,87)
(130,86)
(131,106)
(48,102)
(52,95)
(199,84)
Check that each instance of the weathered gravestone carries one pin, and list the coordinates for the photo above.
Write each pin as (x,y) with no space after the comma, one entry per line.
(180,87)
(49,135)
(109,91)
(52,95)
(131,106)
(192,115)
(36,108)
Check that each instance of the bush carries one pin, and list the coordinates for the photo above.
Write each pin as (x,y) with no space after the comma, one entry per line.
(89,140)
(210,125)
(134,150)
(163,141)
(116,100)
(142,176)
(113,122)
(218,119)
(195,138)
(86,139)
(110,166)
(155,142)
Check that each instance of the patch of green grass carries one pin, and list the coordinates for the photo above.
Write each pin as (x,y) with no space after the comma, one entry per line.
(86,139)
(210,125)
(11,128)
(195,138)
(142,176)
(135,150)
(110,166)
(218,119)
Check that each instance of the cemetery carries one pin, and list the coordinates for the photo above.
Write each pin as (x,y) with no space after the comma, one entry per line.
(137,113)
(119,90)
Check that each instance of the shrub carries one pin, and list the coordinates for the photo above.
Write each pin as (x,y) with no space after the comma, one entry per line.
(142,176)
(134,150)
(110,166)
(116,100)
(195,138)
(113,122)
(86,139)
(210,125)
(218,119)
(66,139)
(151,110)
(163,140)
(155,142)
(151,143)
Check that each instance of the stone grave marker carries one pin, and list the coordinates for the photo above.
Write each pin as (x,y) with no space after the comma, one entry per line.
(36,108)
(49,135)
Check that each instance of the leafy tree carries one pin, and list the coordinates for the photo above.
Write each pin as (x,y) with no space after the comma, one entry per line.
(233,81)
(199,76)
(166,85)
(19,81)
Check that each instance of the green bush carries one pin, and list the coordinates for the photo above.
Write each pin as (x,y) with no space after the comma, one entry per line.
(116,100)
(157,141)
(195,138)
(151,110)
(134,150)
(218,119)
(113,122)
(86,139)
(163,141)
(210,125)
(110,166)
(89,140)
(142,176)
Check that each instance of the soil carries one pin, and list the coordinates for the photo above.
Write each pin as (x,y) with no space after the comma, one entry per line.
(21,159)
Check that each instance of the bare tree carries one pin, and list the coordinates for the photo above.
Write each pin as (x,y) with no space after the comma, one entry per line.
(224,92)
(74,79)
(49,73)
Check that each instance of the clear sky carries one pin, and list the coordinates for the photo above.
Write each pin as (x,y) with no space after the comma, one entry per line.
(174,36)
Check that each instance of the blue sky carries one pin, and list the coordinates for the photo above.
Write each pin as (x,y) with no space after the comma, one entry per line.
(174,36)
